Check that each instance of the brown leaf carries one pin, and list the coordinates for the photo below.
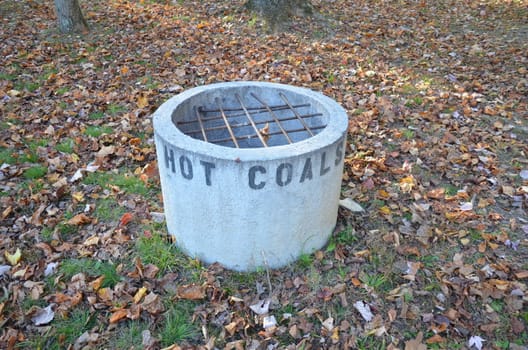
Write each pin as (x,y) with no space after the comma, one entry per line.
(153,304)
(191,292)
(79,219)
(416,344)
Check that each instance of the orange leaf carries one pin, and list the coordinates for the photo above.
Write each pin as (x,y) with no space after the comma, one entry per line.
(79,219)
(125,219)
(124,70)
(118,315)
(435,339)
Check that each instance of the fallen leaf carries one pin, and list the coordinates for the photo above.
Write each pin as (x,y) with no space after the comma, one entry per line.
(416,344)
(140,294)
(191,292)
(4,269)
(262,307)
(79,219)
(125,219)
(351,205)
(43,316)
(118,315)
(476,341)
(14,258)
(364,310)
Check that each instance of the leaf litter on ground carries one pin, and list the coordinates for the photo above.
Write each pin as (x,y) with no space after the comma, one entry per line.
(436,166)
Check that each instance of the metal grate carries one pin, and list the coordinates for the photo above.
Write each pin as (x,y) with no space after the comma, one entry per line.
(252,125)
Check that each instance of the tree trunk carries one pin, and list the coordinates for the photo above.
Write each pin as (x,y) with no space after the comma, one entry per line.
(70,17)
(278,12)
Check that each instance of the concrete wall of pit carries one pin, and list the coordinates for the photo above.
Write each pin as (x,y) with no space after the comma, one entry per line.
(250,207)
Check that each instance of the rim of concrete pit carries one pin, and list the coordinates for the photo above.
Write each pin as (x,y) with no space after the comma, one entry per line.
(335,116)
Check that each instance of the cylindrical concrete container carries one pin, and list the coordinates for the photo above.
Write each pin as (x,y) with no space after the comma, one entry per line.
(251,205)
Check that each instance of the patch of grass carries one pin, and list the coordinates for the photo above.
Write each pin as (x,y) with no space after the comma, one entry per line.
(68,329)
(371,343)
(30,86)
(128,183)
(450,190)
(97,131)
(7,156)
(158,251)
(177,325)
(61,91)
(129,336)
(65,146)
(28,303)
(377,281)
(35,172)
(345,237)
(31,149)
(497,305)
(96,115)
(408,134)
(46,234)
(92,268)
(305,260)
(7,76)
(108,210)
(115,109)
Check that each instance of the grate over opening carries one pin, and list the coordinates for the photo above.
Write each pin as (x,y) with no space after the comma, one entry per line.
(253,124)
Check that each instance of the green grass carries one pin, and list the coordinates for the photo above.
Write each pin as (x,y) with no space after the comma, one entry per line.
(66,146)
(96,115)
(7,156)
(35,172)
(108,210)
(62,90)
(177,325)
(305,260)
(158,251)
(70,328)
(97,131)
(128,336)
(377,281)
(46,234)
(127,183)
(345,237)
(92,268)
(114,109)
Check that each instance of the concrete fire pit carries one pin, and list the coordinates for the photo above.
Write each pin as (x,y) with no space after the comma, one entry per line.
(250,171)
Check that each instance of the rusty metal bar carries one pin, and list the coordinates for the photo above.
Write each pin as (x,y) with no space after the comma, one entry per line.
(247,137)
(241,125)
(285,99)
(234,139)
(270,111)
(248,115)
(253,110)
(199,117)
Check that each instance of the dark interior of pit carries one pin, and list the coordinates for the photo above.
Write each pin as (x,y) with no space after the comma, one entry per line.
(253,122)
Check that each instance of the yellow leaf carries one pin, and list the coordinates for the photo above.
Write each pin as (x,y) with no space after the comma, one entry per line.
(93,240)
(140,294)
(78,196)
(142,101)
(124,70)
(385,210)
(407,184)
(13,259)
